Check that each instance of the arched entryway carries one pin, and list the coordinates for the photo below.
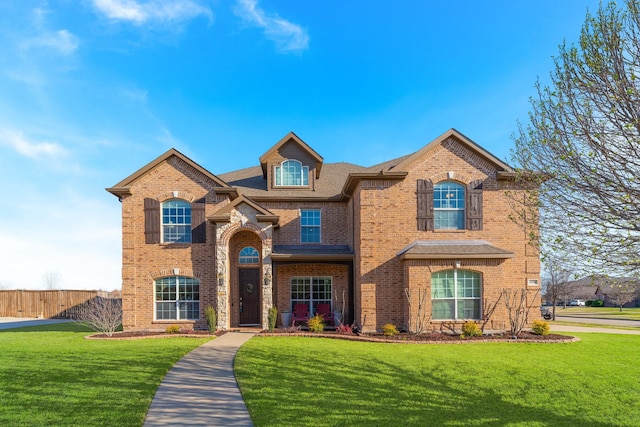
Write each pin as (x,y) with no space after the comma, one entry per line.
(245,262)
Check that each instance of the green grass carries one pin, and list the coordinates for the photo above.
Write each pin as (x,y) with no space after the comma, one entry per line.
(602,312)
(52,376)
(295,381)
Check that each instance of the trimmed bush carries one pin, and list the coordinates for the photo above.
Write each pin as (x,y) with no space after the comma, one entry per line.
(273,318)
(471,329)
(316,323)
(173,329)
(588,303)
(212,319)
(597,303)
(540,327)
(390,330)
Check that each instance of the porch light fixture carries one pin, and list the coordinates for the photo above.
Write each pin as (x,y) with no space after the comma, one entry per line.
(267,278)
(220,279)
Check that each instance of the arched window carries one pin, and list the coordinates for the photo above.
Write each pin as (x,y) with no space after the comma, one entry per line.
(249,255)
(177,298)
(291,173)
(448,206)
(176,221)
(455,295)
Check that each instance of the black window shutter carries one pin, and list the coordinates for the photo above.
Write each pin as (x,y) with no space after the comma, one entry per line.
(151,221)
(474,205)
(198,222)
(425,205)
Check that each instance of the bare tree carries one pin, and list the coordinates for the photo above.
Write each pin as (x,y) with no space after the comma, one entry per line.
(102,314)
(556,282)
(620,291)
(418,317)
(518,306)
(51,280)
(583,142)
(487,311)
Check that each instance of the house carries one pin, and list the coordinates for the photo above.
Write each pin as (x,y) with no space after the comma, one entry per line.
(425,236)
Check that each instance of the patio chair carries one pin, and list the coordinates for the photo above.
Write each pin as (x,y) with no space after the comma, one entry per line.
(324,310)
(300,314)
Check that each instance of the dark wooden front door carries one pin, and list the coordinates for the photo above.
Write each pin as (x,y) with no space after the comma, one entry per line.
(249,281)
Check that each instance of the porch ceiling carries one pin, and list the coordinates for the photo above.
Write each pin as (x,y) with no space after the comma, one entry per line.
(447,249)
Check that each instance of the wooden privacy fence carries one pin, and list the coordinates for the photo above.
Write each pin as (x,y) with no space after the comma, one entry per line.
(45,304)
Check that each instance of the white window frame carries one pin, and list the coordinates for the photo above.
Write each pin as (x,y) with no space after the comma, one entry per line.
(176,220)
(177,282)
(313,226)
(456,298)
(448,204)
(310,296)
(248,255)
(303,171)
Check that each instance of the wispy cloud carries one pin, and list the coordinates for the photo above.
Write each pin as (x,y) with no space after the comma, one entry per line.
(61,41)
(32,149)
(287,36)
(163,11)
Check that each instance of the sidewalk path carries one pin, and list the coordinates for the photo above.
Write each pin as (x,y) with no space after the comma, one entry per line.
(563,328)
(201,388)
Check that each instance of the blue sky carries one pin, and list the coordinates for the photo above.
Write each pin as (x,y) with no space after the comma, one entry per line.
(92,90)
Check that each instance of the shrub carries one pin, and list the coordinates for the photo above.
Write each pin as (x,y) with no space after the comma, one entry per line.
(471,329)
(173,329)
(186,330)
(316,323)
(597,303)
(343,329)
(588,303)
(273,318)
(390,330)
(540,327)
(212,319)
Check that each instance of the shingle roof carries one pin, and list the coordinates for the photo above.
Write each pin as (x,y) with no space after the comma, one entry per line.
(447,249)
(251,182)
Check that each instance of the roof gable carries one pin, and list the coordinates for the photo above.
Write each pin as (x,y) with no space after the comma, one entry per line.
(293,139)
(122,188)
(262,214)
(501,166)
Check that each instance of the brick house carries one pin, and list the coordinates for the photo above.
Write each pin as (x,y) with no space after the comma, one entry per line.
(429,230)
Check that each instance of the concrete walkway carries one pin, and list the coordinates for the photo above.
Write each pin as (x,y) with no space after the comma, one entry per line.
(201,388)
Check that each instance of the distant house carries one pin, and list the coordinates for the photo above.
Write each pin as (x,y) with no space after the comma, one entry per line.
(428,233)
(608,289)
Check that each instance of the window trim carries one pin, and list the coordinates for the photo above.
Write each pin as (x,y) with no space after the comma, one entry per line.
(176,284)
(313,303)
(278,174)
(311,226)
(187,233)
(462,211)
(455,296)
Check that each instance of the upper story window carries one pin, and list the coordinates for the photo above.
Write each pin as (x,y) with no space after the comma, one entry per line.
(291,173)
(176,221)
(249,255)
(448,206)
(310,226)
(455,295)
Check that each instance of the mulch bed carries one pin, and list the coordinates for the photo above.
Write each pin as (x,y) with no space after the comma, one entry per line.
(402,338)
(431,338)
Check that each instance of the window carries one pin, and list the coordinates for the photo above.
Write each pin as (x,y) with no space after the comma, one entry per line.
(455,295)
(292,173)
(311,291)
(177,298)
(448,206)
(176,221)
(249,255)
(310,226)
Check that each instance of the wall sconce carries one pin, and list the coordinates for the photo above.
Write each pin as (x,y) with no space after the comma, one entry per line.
(267,278)
(221,279)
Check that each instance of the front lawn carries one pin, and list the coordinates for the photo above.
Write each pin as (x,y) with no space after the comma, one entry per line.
(294,381)
(52,376)
(601,312)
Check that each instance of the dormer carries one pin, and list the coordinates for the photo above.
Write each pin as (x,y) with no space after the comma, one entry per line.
(291,164)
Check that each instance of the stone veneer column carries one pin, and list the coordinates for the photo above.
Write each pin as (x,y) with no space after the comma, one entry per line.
(222,278)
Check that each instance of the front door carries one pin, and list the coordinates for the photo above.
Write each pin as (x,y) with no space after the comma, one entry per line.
(249,281)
